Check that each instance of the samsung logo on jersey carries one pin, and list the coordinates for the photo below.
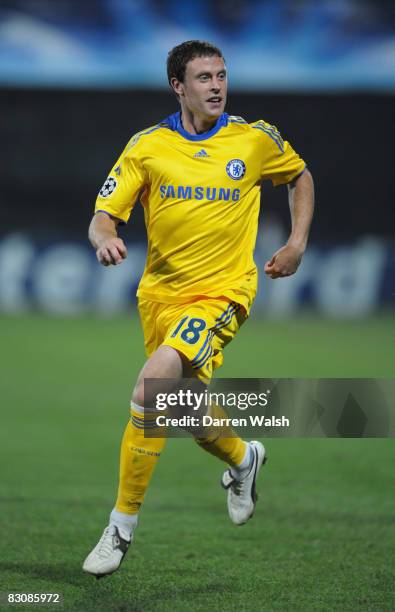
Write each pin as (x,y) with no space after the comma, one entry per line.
(187,192)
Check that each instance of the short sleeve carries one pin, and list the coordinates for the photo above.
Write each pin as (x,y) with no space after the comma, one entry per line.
(280,163)
(119,193)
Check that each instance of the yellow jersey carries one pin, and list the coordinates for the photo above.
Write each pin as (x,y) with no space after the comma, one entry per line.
(201,198)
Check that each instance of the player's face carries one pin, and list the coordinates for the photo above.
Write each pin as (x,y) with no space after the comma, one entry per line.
(205,86)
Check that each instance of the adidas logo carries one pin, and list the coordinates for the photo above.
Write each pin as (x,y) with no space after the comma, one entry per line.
(201,153)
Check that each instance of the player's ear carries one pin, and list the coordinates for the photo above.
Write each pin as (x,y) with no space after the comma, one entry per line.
(177,86)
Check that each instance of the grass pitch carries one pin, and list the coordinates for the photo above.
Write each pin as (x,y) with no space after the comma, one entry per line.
(322,537)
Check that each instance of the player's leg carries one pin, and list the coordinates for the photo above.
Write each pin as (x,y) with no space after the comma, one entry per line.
(139,455)
(201,335)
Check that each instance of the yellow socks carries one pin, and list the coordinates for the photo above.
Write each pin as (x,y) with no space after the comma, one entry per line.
(139,455)
(138,459)
(223,442)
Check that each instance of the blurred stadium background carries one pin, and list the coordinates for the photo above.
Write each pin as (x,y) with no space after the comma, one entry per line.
(77,79)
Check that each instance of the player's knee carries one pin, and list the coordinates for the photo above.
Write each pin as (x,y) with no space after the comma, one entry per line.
(159,375)
(138,394)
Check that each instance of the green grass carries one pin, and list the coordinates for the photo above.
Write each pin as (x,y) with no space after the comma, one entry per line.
(322,537)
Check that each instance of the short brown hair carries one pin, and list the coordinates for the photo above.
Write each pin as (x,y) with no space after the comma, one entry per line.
(179,56)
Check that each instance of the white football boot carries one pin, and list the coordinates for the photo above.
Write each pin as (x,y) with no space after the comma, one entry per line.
(242,495)
(108,553)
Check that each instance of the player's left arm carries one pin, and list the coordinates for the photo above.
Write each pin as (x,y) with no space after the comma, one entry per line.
(286,260)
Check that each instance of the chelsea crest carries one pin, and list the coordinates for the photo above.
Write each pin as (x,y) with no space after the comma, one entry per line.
(236,169)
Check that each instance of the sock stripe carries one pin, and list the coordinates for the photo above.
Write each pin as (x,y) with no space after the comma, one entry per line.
(142,424)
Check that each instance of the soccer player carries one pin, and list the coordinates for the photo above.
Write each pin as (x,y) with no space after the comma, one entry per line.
(198,175)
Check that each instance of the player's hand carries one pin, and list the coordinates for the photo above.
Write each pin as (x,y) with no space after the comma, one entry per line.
(284,262)
(112,251)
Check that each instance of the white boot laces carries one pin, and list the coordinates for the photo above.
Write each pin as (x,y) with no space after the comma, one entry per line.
(106,544)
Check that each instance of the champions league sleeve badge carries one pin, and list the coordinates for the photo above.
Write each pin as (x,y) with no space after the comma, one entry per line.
(236,169)
(109,186)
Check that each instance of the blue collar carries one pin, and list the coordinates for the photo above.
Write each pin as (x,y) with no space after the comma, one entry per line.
(174,123)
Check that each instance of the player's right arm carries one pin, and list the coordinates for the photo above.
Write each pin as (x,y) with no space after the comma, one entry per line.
(110,249)
(114,205)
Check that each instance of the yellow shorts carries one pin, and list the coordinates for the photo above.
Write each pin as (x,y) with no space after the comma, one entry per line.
(199,330)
